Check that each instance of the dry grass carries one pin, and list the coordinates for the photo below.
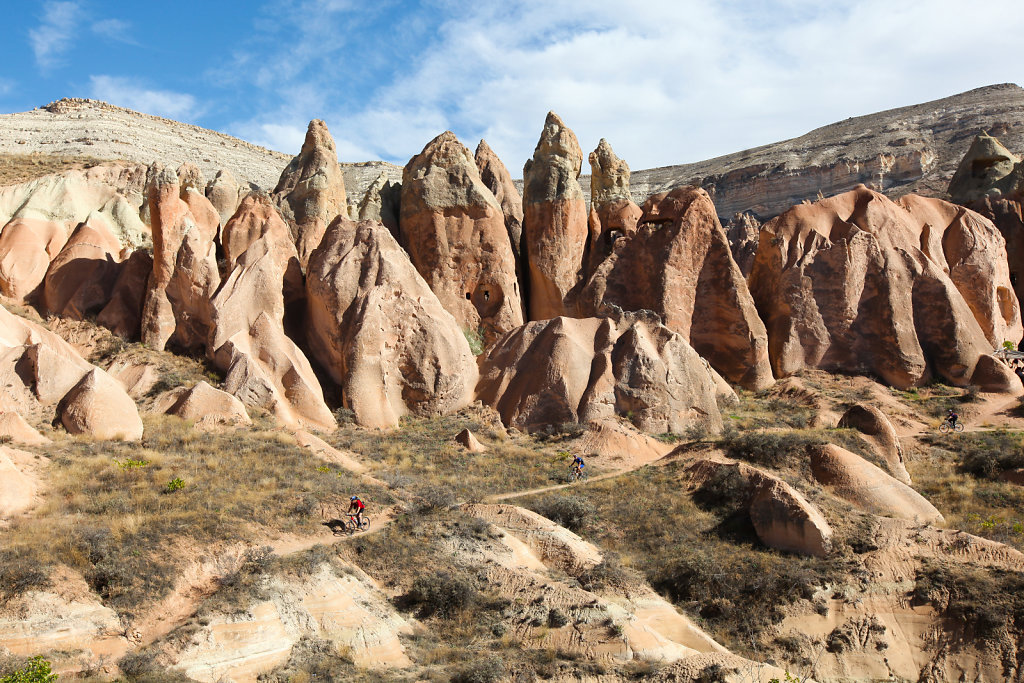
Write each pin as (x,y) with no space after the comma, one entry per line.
(108,513)
(423,452)
(19,168)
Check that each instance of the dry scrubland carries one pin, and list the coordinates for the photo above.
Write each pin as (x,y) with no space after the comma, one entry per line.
(114,514)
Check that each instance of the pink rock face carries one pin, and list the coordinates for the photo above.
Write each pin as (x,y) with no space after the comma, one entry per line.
(185,274)
(582,369)
(858,284)
(222,192)
(380,331)
(554,220)
(454,231)
(123,313)
(612,211)
(873,424)
(498,180)
(208,407)
(26,247)
(80,280)
(311,191)
(678,264)
(264,366)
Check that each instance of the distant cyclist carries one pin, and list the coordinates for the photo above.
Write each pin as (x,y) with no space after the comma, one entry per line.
(577,466)
(952,417)
(356,506)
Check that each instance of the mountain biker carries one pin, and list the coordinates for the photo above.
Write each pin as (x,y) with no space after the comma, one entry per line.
(357,506)
(952,417)
(578,465)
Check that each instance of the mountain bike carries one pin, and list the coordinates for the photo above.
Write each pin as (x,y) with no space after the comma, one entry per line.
(947,426)
(576,475)
(352,526)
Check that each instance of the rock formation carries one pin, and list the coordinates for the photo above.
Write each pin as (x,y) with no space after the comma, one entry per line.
(223,193)
(123,313)
(81,278)
(678,264)
(264,367)
(554,220)
(854,479)
(576,370)
(191,186)
(468,440)
(99,406)
(14,428)
(311,191)
(612,212)
(17,488)
(858,284)
(207,406)
(185,275)
(454,231)
(876,427)
(380,331)
(781,516)
(382,202)
(498,180)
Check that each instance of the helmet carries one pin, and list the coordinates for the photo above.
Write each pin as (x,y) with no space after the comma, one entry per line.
(354,498)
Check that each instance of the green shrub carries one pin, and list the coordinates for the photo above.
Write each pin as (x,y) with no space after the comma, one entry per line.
(37,670)
(772,449)
(487,670)
(175,484)
(987,454)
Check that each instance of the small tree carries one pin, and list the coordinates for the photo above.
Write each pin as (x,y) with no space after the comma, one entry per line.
(37,670)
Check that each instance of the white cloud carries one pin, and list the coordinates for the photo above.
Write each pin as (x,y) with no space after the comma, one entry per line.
(666,81)
(132,94)
(113,29)
(6,86)
(54,35)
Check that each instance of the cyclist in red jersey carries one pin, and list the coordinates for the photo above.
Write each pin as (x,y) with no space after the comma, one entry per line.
(356,506)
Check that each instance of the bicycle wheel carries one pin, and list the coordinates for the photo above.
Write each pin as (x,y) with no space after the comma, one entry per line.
(365,526)
(944,427)
(959,427)
(571,477)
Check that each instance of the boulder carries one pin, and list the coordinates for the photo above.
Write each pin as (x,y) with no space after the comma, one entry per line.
(14,428)
(581,369)
(311,191)
(382,202)
(185,275)
(859,284)
(782,517)
(498,180)
(613,214)
(454,231)
(98,406)
(264,367)
(80,280)
(26,248)
(208,407)
(379,330)
(554,220)
(785,520)
(223,193)
(987,169)
(678,264)
(136,378)
(857,481)
(872,423)
(468,440)
(123,313)
(17,489)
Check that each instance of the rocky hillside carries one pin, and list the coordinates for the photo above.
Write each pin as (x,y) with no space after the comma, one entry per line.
(899,151)
(90,128)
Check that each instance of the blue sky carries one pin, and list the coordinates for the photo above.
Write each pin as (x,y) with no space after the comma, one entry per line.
(665,81)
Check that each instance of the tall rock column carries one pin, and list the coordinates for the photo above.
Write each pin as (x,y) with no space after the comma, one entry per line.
(185,274)
(554,220)
(311,191)
(612,210)
(454,231)
(498,180)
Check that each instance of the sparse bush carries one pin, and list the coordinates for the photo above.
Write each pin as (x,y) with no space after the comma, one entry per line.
(727,488)
(771,449)
(173,485)
(345,416)
(20,571)
(487,670)
(313,659)
(987,601)
(442,593)
(557,618)
(988,454)
(475,339)
(713,673)
(434,497)
(572,512)
(36,670)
